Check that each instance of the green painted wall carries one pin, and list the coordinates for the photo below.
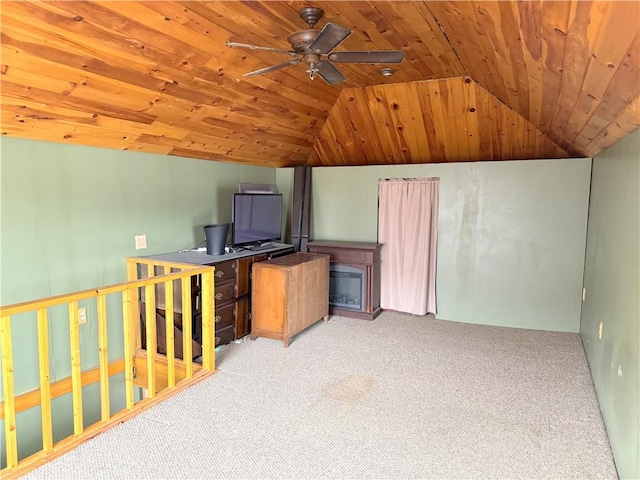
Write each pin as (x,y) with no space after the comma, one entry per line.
(69,217)
(511,234)
(612,283)
(510,250)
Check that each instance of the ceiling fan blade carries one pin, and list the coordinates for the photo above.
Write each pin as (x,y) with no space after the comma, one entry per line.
(329,38)
(273,67)
(389,56)
(256,47)
(329,73)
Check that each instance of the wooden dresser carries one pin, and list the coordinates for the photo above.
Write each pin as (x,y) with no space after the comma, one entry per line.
(232,299)
(289,294)
(232,290)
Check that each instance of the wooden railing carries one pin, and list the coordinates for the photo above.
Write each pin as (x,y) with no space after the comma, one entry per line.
(175,374)
(172,298)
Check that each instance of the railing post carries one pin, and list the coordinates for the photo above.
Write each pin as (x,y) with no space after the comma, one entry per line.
(128,344)
(169,333)
(103,355)
(132,275)
(76,368)
(45,381)
(151,337)
(208,325)
(8,392)
(187,350)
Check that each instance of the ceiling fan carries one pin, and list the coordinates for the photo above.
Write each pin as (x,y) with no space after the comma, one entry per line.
(315,48)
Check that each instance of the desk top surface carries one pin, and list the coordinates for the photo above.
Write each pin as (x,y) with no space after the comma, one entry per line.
(202,258)
(293,260)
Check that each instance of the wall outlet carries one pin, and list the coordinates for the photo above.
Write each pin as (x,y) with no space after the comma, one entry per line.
(600,331)
(82,315)
(141,241)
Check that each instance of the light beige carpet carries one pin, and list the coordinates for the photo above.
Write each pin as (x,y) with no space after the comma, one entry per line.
(399,397)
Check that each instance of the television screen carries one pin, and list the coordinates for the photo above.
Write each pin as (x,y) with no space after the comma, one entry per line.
(257,218)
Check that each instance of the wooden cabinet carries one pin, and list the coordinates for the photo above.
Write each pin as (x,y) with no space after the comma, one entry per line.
(289,294)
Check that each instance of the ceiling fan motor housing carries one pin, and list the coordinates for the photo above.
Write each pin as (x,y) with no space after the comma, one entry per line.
(301,39)
(311,58)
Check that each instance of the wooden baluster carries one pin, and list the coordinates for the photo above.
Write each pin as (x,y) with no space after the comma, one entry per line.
(134,306)
(45,381)
(76,368)
(187,336)
(8,392)
(208,323)
(170,338)
(103,355)
(127,320)
(152,341)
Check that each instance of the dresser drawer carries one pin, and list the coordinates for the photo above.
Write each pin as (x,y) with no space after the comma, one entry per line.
(224,293)
(224,335)
(224,316)
(225,271)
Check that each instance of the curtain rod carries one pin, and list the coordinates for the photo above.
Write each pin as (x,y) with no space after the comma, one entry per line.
(408,179)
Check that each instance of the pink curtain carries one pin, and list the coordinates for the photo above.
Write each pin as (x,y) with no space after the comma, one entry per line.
(408,231)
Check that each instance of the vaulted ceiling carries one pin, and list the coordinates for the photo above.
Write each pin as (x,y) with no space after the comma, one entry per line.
(486,80)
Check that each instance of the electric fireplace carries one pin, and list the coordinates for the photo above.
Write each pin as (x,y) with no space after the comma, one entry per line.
(347,287)
(354,277)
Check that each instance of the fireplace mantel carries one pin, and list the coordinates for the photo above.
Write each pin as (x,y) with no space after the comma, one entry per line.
(363,256)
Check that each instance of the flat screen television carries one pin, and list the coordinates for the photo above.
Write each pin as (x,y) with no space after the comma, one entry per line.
(257,219)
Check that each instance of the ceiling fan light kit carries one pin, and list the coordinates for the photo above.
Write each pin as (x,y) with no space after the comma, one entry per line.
(314,47)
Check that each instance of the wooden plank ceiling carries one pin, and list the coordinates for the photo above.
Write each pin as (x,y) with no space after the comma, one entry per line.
(486,80)
(450,120)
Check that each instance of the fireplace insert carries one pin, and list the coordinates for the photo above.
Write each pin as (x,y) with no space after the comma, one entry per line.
(347,287)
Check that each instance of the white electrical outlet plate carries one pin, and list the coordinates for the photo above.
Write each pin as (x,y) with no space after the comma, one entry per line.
(82,315)
(584,294)
(141,241)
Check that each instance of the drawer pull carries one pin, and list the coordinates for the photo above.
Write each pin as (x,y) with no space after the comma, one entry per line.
(218,318)
(219,296)
(219,274)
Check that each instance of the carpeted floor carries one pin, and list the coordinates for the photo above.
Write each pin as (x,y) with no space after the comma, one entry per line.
(399,397)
